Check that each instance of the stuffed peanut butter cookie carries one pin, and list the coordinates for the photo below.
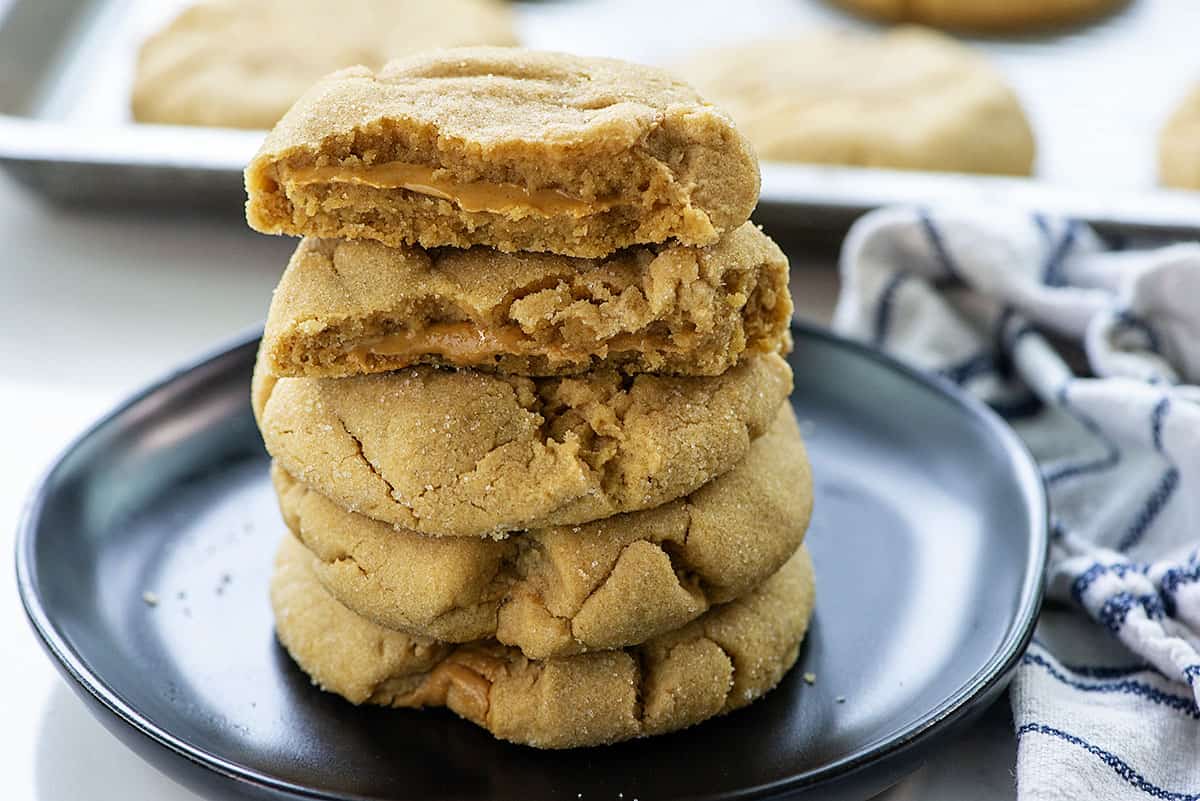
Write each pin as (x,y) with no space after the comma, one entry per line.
(567,589)
(513,149)
(347,307)
(476,454)
(723,660)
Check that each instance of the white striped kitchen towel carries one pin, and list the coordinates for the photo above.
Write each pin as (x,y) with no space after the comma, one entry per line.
(1015,308)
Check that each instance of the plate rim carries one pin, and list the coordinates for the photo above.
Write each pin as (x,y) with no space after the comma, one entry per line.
(996,670)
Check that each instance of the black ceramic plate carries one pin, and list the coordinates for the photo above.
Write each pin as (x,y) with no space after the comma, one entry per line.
(929,536)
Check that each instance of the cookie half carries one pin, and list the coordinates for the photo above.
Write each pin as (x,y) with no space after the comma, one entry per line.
(909,98)
(1179,145)
(569,589)
(1007,15)
(242,64)
(721,661)
(469,453)
(353,307)
(509,148)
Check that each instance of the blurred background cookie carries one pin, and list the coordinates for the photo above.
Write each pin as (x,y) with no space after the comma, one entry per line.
(983,14)
(242,63)
(1179,145)
(911,98)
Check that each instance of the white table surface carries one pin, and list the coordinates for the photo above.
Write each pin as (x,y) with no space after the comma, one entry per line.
(93,305)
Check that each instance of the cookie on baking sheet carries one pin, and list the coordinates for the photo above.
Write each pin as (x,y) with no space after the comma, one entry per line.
(350,307)
(568,589)
(510,148)
(1007,15)
(723,660)
(242,63)
(1179,145)
(478,454)
(909,98)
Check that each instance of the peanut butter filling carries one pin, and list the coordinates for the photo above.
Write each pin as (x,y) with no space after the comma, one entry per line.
(458,342)
(465,343)
(470,196)
(463,676)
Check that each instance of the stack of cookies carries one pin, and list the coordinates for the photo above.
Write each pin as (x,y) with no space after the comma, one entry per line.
(523,388)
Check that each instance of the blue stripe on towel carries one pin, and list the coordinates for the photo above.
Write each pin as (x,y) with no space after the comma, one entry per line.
(1109,672)
(1097,569)
(1118,606)
(1130,320)
(1179,703)
(1156,422)
(1119,766)
(1112,455)
(938,245)
(1175,578)
(1052,268)
(1163,491)
(1150,509)
(1043,225)
(968,369)
(883,307)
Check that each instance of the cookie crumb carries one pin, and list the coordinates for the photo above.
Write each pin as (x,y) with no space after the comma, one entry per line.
(810,678)
(150,598)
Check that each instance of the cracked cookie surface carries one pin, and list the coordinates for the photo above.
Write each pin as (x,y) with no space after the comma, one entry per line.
(240,64)
(909,98)
(468,453)
(346,307)
(509,148)
(723,660)
(569,589)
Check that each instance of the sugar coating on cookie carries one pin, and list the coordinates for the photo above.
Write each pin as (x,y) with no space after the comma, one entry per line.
(1179,145)
(469,453)
(513,149)
(983,14)
(907,99)
(569,589)
(243,63)
(723,660)
(356,307)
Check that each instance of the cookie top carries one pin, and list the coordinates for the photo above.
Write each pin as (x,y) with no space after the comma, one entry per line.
(724,660)
(514,149)
(241,64)
(346,307)
(1007,15)
(909,98)
(568,589)
(1179,145)
(476,454)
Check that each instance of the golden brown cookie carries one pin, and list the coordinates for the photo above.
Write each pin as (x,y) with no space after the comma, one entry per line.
(569,589)
(509,148)
(1179,145)
(1007,15)
(347,307)
(720,662)
(242,63)
(478,454)
(910,98)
